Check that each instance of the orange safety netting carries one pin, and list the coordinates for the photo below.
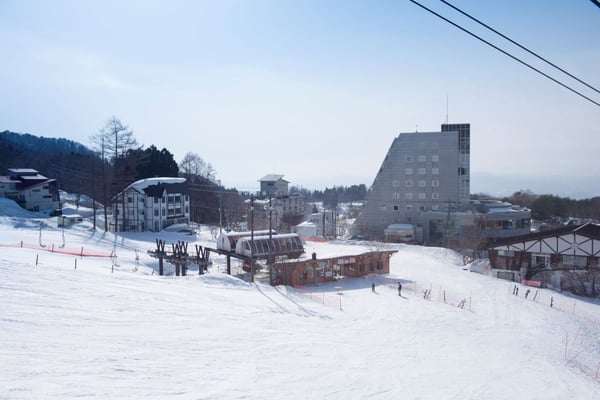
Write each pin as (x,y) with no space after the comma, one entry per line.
(82,251)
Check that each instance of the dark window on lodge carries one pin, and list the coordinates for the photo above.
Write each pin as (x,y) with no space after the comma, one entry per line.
(461,171)
(361,268)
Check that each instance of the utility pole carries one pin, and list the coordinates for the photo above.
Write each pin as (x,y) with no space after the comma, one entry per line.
(220,214)
(252,237)
(270,218)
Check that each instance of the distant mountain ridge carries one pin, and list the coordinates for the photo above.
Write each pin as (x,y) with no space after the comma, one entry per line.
(32,143)
(65,160)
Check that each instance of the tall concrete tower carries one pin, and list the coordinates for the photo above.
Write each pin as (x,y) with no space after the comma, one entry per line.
(422,172)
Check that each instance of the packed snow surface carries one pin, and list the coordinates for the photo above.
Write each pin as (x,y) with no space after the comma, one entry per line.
(111,328)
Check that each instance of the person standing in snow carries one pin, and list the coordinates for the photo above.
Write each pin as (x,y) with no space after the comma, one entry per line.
(527,293)
(399,289)
(373,287)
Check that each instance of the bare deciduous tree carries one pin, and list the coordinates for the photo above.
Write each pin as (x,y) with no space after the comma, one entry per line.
(192,165)
(112,143)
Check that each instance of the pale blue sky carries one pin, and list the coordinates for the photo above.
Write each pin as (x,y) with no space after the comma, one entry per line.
(313,90)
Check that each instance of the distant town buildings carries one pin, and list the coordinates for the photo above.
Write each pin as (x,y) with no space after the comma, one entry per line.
(151,205)
(276,208)
(31,190)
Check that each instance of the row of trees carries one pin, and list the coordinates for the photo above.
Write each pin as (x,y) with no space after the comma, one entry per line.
(331,197)
(546,206)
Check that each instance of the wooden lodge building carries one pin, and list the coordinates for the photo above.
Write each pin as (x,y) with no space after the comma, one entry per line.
(312,271)
(565,258)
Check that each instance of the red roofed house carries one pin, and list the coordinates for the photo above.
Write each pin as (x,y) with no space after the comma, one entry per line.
(30,190)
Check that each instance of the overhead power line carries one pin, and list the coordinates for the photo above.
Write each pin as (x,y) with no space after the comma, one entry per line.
(519,45)
(506,53)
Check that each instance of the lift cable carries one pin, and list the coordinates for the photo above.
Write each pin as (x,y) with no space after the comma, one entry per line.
(506,53)
(519,45)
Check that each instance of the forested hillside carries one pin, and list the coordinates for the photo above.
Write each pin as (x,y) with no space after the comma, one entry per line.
(81,170)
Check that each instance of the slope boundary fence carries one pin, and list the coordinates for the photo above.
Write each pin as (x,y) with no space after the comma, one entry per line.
(81,252)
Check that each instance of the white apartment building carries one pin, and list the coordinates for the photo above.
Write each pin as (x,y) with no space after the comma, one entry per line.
(151,205)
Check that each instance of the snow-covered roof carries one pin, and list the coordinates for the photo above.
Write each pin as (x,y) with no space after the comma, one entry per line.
(272,178)
(6,179)
(307,223)
(36,177)
(23,171)
(142,184)
(400,227)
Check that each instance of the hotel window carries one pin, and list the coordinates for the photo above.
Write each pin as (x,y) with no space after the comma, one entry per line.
(435,183)
(408,183)
(578,261)
(408,196)
(435,171)
(422,158)
(421,208)
(396,207)
(435,196)
(382,220)
(408,159)
(407,171)
(422,196)
(382,208)
(396,183)
(421,183)
(421,171)
(409,208)
(435,158)
(396,196)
